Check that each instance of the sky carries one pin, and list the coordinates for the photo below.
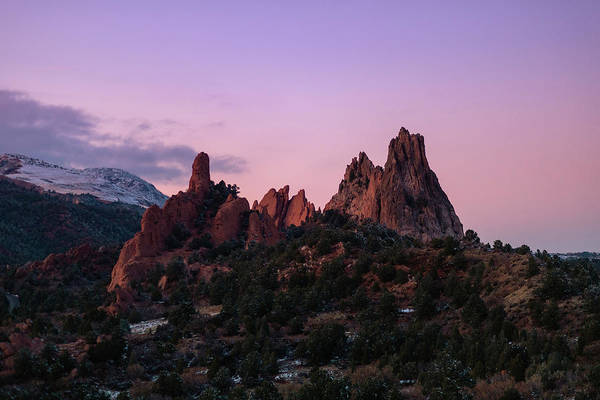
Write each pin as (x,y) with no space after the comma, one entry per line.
(506,94)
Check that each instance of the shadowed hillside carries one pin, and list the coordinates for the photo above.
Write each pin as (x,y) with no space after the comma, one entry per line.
(34,224)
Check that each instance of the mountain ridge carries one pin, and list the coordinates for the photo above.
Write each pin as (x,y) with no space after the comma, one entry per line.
(108,184)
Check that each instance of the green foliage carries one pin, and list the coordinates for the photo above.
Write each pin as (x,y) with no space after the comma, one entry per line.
(523,250)
(446,379)
(266,391)
(111,349)
(175,269)
(511,394)
(35,224)
(474,312)
(472,236)
(386,273)
(532,267)
(324,387)
(179,234)
(169,383)
(181,315)
(323,343)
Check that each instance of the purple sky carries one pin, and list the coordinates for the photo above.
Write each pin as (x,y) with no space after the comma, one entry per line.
(507,95)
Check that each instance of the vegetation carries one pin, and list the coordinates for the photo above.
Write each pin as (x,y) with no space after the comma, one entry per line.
(35,224)
(337,310)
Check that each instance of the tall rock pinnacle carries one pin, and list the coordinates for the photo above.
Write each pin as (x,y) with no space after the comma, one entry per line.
(200,179)
(405,195)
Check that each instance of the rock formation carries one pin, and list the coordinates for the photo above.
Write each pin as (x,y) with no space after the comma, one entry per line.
(405,195)
(158,223)
(227,223)
(299,210)
(285,212)
(232,220)
(262,228)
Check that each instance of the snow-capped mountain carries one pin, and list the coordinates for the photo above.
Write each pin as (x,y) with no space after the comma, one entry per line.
(110,184)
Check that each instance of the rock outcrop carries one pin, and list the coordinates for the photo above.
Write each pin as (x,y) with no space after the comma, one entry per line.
(405,195)
(232,220)
(299,210)
(158,223)
(262,229)
(284,211)
(227,223)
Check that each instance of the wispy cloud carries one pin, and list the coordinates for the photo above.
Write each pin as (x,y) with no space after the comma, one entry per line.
(70,136)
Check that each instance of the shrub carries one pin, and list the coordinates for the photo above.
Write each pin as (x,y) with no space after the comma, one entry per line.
(446,379)
(169,383)
(474,311)
(471,236)
(554,285)
(182,315)
(532,267)
(324,387)
(222,379)
(386,273)
(373,388)
(323,343)
(108,350)
(266,391)
(523,250)
(175,269)
(511,394)
(199,242)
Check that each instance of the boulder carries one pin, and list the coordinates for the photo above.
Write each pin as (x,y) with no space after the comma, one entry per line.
(228,222)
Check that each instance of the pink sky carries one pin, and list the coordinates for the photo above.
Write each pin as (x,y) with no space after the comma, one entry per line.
(507,95)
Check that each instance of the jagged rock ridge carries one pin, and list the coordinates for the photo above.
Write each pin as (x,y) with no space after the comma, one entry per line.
(232,220)
(109,184)
(405,195)
(285,211)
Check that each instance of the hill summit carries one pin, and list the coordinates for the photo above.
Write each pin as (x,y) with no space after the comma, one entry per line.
(108,184)
(405,195)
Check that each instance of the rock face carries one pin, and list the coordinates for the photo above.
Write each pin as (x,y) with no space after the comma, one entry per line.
(285,212)
(405,195)
(299,210)
(158,223)
(200,179)
(227,223)
(232,220)
(261,228)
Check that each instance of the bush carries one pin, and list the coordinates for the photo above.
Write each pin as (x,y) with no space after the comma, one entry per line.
(199,242)
(446,379)
(373,388)
(324,387)
(386,273)
(182,315)
(323,343)
(511,394)
(25,365)
(108,350)
(523,250)
(474,311)
(532,267)
(554,285)
(266,391)
(472,236)
(169,383)
(222,379)
(551,317)
(175,269)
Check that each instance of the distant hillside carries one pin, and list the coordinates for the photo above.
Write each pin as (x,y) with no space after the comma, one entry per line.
(34,224)
(583,254)
(110,184)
